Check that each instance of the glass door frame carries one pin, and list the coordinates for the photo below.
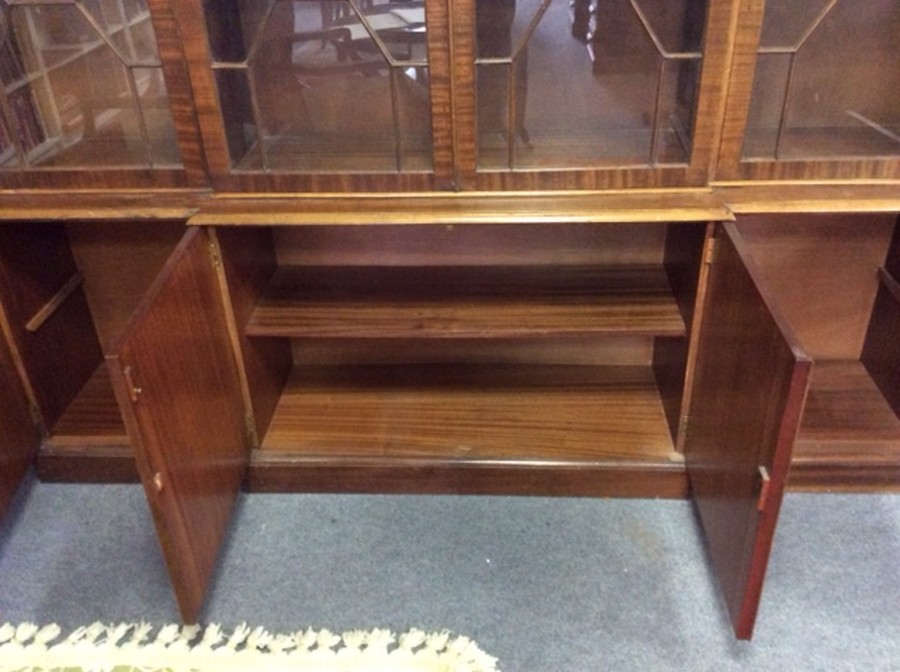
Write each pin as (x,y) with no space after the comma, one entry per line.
(732,166)
(191,174)
(451,56)
(708,111)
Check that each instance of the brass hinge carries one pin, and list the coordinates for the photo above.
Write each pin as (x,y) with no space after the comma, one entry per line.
(214,254)
(250,429)
(36,417)
(683,427)
(709,254)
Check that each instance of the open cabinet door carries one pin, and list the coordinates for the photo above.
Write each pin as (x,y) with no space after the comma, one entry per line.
(176,381)
(18,435)
(749,389)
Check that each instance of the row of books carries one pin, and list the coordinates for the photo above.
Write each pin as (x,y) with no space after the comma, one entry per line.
(24,122)
(11,67)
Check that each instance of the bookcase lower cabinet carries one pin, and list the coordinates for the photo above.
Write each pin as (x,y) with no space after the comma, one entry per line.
(146,300)
(718,361)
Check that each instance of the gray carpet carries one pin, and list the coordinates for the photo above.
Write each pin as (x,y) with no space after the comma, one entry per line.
(547,585)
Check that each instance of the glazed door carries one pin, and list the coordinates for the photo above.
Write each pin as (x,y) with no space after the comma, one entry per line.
(749,390)
(18,436)
(176,381)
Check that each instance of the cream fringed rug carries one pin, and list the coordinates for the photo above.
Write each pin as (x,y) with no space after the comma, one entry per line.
(174,648)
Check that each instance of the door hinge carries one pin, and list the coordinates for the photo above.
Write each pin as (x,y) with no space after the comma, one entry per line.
(214,254)
(709,254)
(764,489)
(36,418)
(683,427)
(250,429)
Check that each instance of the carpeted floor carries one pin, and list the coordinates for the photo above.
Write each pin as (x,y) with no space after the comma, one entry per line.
(547,585)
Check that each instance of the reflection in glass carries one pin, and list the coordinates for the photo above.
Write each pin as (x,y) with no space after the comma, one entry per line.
(82,87)
(323,85)
(601,84)
(827,82)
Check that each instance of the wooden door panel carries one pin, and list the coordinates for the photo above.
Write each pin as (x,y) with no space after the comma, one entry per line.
(18,436)
(749,389)
(176,380)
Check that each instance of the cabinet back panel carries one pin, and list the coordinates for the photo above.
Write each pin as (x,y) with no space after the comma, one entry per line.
(119,262)
(893,259)
(822,271)
(476,244)
(881,354)
(635,351)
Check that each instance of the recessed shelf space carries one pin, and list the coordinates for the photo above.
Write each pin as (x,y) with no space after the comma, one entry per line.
(516,359)
(847,420)
(826,276)
(554,414)
(470,428)
(93,418)
(89,442)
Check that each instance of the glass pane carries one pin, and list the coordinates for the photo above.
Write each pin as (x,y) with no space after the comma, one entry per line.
(607,84)
(72,94)
(326,85)
(151,87)
(827,85)
(8,156)
(237,113)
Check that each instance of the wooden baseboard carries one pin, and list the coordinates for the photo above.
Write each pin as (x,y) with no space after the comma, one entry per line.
(280,473)
(849,478)
(284,473)
(87,464)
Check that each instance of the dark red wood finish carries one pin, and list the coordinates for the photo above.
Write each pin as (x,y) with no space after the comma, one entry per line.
(749,389)
(18,436)
(176,381)
(35,264)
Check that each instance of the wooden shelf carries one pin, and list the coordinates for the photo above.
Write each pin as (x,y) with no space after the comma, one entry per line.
(512,429)
(466,302)
(849,436)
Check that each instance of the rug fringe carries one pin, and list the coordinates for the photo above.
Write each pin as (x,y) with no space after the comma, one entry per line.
(100,648)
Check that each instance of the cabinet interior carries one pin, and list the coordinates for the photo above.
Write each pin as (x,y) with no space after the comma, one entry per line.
(531,358)
(826,275)
(78,284)
(482,345)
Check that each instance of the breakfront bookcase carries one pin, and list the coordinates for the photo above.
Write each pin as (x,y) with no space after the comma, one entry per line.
(637,248)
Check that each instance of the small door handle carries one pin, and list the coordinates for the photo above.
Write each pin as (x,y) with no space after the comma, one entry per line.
(133,390)
(764,488)
(158,482)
